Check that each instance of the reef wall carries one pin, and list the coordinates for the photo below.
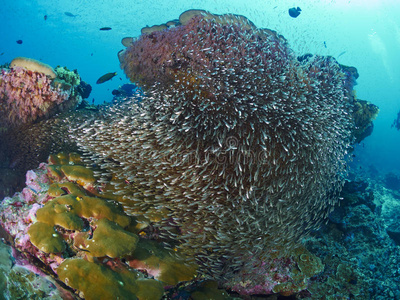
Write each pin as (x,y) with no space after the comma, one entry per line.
(233,152)
(238,143)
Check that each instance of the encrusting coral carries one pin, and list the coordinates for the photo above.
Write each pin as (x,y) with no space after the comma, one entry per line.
(71,229)
(103,283)
(240,143)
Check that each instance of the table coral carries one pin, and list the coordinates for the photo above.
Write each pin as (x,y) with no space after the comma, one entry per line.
(45,238)
(33,65)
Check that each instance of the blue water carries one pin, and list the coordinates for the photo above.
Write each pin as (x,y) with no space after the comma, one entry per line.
(365,33)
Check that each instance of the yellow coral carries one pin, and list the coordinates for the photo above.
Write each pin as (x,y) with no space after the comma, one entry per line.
(160,263)
(109,239)
(33,65)
(67,211)
(81,175)
(60,189)
(94,281)
(45,238)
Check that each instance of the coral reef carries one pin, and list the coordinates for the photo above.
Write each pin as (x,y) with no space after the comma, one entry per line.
(233,151)
(84,89)
(66,226)
(18,282)
(27,96)
(240,145)
(355,252)
(58,219)
(389,205)
(30,91)
(102,283)
(361,261)
(284,276)
(31,94)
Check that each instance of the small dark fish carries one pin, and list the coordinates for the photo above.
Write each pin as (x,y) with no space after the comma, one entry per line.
(2,53)
(67,13)
(294,12)
(325,44)
(106,77)
(105,28)
(19,42)
(116,92)
(91,54)
(45,17)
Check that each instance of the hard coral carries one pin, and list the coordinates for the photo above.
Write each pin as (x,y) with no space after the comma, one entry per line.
(241,145)
(102,283)
(109,239)
(33,65)
(159,263)
(58,218)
